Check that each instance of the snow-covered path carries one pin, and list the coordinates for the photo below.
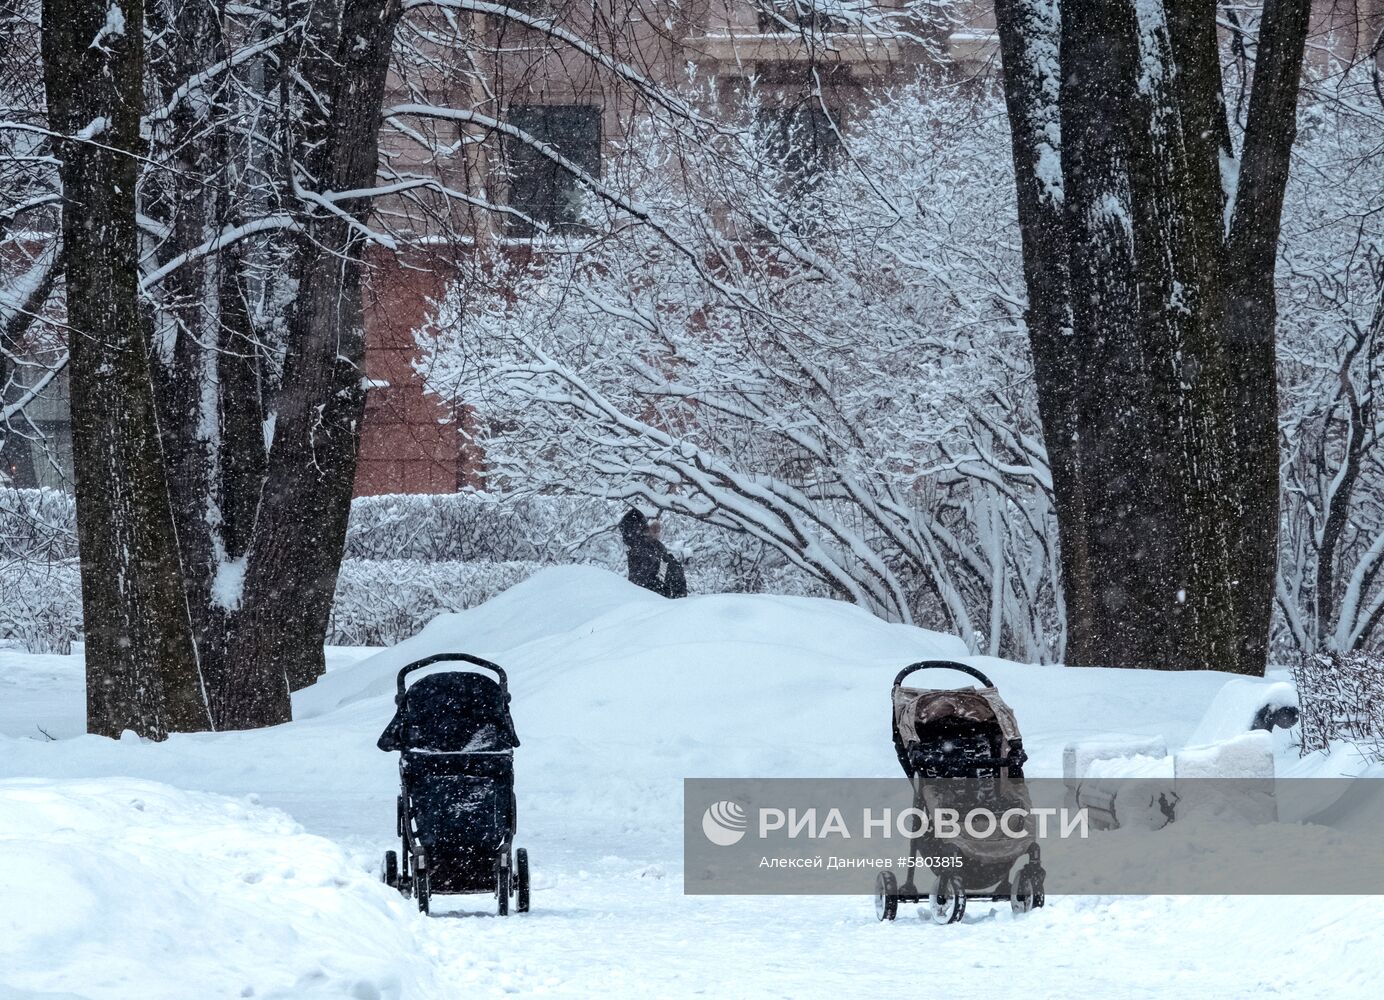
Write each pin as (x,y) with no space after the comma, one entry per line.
(122,877)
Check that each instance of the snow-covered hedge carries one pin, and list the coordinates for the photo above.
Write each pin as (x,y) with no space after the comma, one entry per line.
(1341,697)
(378,602)
(408,559)
(40,604)
(37,525)
(383,601)
(475,527)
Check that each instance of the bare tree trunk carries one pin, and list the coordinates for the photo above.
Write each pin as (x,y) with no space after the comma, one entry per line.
(1252,311)
(300,530)
(1158,418)
(141,661)
(1029,45)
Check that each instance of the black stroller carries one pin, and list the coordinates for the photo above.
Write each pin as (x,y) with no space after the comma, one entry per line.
(961,750)
(456,811)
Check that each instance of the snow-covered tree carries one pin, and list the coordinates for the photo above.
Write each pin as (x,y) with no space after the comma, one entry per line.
(1331,303)
(221,279)
(822,346)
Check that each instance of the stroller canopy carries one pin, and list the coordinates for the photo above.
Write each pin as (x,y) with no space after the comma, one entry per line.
(452,712)
(915,710)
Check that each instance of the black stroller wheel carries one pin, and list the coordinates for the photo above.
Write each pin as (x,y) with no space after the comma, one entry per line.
(422,889)
(947,903)
(521,878)
(390,871)
(1027,893)
(502,890)
(886,896)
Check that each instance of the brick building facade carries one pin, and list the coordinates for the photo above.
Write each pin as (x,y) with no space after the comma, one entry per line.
(410,442)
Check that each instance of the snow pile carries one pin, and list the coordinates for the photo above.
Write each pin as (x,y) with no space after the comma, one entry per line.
(1235,706)
(1109,756)
(135,889)
(1249,755)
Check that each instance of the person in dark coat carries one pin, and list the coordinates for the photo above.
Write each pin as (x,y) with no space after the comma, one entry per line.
(651,565)
(645,560)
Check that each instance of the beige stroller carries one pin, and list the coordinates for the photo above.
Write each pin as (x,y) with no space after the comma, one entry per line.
(961,750)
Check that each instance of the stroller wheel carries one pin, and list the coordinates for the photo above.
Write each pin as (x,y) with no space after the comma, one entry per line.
(947,903)
(502,890)
(521,879)
(422,890)
(886,896)
(1027,893)
(390,872)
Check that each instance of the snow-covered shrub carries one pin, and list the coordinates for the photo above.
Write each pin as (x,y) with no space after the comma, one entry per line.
(381,602)
(37,524)
(40,605)
(1341,698)
(483,527)
(550,530)
(378,602)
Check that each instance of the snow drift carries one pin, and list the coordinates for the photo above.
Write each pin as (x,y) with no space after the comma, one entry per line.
(135,889)
(618,695)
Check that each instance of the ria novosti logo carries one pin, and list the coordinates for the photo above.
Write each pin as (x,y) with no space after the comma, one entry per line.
(724,823)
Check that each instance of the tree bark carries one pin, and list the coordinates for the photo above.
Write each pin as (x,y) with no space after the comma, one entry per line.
(1252,311)
(1160,419)
(141,664)
(300,529)
(208,385)
(1029,45)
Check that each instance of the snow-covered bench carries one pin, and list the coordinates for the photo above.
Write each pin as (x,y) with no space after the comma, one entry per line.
(1133,780)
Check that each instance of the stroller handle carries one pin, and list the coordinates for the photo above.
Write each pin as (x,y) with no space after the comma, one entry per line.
(942,665)
(428,661)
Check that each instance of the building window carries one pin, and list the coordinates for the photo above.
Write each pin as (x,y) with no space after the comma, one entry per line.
(36,449)
(802,142)
(543,190)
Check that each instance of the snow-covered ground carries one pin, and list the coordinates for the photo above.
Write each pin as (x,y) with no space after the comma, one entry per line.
(244,864)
